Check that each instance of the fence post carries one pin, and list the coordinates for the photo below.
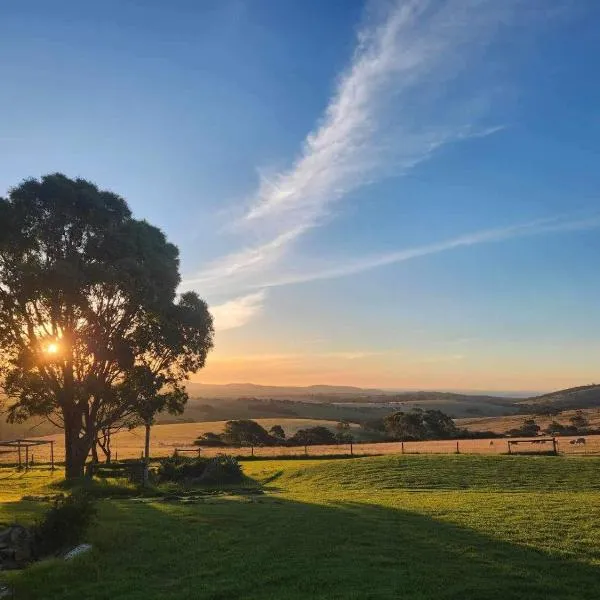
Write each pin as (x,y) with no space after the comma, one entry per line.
(27,458)
(52,455)
(402,447)
(351,450)
(251,450)
(555,445)
(305,450)
(19,451)
(508,444)
(457,450)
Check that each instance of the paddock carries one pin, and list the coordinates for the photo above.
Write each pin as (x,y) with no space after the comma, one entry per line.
(23,452)
(166,438)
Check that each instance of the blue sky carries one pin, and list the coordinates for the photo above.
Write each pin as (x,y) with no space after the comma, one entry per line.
(389,193)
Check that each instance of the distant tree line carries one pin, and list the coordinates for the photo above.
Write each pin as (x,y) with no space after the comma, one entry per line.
(578,425)
(245,432)
(419,425)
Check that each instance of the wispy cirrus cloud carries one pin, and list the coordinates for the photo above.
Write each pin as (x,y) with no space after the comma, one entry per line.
(352,266)
(238,311)
(361,264)
(392,108)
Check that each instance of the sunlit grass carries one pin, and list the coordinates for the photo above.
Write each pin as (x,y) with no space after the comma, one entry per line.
(388,527)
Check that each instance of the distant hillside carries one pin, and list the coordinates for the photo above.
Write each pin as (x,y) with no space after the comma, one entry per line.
(329,402)
(236,390)
(585,396)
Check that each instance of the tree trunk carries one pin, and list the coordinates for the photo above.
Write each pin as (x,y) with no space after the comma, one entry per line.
(95,452)
(104,443)
(76,449)
(147,453)
(147,444)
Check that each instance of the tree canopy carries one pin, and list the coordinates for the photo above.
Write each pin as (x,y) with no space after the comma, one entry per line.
(313,436)
(246,432)
(91,328)
(420,424)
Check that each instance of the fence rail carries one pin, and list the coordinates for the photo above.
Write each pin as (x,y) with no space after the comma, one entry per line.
(565,446)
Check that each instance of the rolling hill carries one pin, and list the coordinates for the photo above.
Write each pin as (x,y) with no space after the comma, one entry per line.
(585,396)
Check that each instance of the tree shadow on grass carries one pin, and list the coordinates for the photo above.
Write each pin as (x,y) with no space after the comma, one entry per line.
(269,548)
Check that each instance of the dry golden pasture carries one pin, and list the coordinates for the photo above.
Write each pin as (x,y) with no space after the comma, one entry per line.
(165,438)
(503,424)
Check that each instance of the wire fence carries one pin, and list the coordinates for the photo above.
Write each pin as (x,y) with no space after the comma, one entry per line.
(576,445)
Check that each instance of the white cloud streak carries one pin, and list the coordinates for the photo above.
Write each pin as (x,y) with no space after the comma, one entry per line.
(387,114)
(352,267)
(237,312)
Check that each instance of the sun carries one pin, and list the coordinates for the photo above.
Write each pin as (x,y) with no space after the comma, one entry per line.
(52,348)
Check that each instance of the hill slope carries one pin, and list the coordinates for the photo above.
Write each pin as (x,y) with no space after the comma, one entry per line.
(585,396)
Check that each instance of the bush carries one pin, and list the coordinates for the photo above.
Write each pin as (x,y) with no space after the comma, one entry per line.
(220,469)
(179,468)
(64,524)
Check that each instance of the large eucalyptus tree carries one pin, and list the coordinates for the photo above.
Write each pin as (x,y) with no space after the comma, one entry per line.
(92,330)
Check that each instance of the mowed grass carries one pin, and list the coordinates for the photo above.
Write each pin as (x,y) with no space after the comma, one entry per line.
(422,527)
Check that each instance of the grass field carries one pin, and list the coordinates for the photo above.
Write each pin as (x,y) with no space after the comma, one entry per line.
(418,527)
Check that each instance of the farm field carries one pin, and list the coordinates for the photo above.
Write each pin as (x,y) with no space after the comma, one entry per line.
(416,527)
(167,437)
(503,424)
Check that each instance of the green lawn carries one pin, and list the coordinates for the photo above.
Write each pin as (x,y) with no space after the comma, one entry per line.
(439,527)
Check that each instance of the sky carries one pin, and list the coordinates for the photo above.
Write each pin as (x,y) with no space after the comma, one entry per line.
(386,193)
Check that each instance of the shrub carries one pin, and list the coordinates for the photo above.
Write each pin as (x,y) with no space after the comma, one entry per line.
(178,468)
(220,469)
(64,524)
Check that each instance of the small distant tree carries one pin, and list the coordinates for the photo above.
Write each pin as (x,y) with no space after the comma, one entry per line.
(245,432)
(529,428)
(579,420)
(419,424)
(555,428)
(342,433)
(439,425)
(313,436)
(277,432)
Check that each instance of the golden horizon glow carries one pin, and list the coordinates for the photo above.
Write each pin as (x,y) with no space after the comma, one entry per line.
(398,371)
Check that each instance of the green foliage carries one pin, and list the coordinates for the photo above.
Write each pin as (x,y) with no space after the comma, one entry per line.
(222,469)
(179,468)
(65,523)
(245,432)
(277,432)
(313,436)
(80,275)
(420,424)
(219,469)
(343,434)
(529,428)
(579,421)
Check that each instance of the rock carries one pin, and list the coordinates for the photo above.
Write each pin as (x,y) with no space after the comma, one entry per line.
(77,551)
(16,546)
